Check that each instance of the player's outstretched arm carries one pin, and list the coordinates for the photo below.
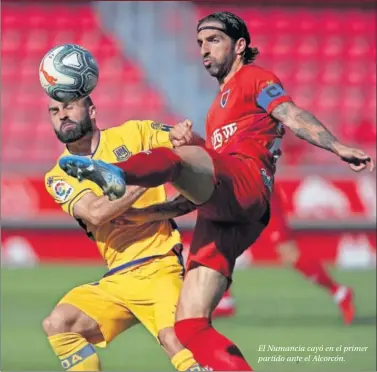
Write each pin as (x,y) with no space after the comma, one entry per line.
(307,127)
(97,210)
(179,206)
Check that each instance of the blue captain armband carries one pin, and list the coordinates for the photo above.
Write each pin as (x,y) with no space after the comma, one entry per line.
(269,94)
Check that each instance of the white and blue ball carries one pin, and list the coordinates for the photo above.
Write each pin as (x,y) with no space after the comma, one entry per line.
(68,72)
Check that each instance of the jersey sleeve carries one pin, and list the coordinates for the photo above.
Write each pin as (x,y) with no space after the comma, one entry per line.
(148,133)
(155,134)
(67,191)
(269,91)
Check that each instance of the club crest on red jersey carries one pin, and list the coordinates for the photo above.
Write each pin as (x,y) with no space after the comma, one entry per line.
(224,98)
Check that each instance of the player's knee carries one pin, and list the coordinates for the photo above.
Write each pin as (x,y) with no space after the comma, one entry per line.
(183,152)
(64,318)
(47,326)
(186,310)
(201,292)
(55,323)
(168,339)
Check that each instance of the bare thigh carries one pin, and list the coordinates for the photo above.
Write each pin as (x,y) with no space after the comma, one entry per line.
(196,180)
(94,311)
(201,292)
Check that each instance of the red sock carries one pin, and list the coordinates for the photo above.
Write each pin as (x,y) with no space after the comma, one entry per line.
(209,347)
(152,168)
(315,271)
(227,294)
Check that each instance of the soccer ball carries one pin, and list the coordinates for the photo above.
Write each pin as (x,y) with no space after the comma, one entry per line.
(68,72)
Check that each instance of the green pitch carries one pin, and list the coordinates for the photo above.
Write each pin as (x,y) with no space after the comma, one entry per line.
(276,308)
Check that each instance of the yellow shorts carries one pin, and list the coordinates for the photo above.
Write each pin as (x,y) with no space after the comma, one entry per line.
(147,294)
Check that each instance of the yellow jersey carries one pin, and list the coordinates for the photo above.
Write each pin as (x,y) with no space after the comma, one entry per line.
(120,242)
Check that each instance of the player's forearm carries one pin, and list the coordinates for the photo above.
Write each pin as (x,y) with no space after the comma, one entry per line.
(160,212)
(306,126)
(102,210)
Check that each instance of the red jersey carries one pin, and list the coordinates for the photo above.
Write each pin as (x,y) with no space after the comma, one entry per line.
(239,119)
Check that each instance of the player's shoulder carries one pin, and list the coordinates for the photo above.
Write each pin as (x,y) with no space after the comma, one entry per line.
(55,171)
(129,126)
(256,72)
(129,130)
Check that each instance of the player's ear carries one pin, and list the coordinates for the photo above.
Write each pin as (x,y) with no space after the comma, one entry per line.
(93,111)
(240,46)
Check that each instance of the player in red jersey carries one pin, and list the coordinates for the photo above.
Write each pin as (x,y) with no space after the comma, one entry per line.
(280,235)
(229,176)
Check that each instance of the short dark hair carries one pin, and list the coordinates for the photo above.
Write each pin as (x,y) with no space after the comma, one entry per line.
(88,101)
(235,27)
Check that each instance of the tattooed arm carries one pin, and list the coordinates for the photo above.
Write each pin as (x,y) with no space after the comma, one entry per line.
(159,212)
(307,127)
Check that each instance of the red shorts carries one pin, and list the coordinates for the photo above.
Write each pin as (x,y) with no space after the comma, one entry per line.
(233,218)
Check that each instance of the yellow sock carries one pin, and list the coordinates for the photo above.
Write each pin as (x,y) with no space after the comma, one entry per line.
(74,352)
(183,360)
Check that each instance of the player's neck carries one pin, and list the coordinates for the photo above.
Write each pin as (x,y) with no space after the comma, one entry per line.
(237,65)
(86,145)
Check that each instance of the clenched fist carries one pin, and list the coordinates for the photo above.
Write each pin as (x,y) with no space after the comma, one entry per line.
(181,134)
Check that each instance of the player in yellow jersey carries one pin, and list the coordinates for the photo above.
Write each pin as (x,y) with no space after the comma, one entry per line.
(144,260)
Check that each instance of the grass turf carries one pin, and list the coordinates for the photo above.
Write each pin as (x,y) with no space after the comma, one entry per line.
(275,307)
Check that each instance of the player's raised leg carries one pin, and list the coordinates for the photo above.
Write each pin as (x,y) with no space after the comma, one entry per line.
(71,334)
(189,168)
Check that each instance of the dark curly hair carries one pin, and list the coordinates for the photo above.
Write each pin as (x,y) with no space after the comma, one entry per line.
(235,28)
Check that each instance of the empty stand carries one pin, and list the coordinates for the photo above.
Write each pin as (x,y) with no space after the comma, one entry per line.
(324,57)
(28,32)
